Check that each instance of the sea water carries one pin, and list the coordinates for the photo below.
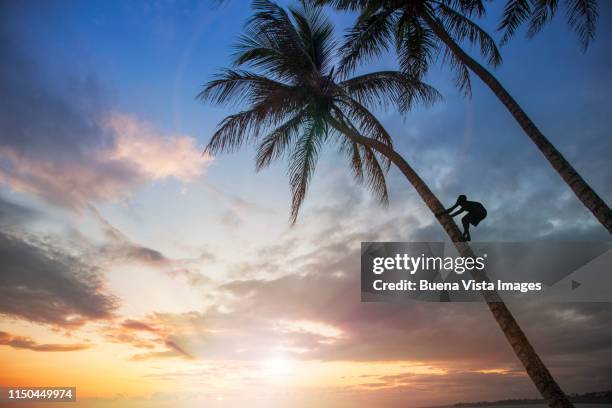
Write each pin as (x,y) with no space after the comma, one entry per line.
(544,405)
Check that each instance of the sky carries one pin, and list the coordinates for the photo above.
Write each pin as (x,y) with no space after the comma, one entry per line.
(146,273)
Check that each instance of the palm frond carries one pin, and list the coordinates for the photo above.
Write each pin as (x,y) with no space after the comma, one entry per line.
(461,72)
(370,36)
(352,5)
(240,85)
(516,12)
(469,8)
(542,12)
(416,45)
(316,35)
(271,42)
(376,181)
(464,29)
(258,50)
(379,89)
(270,18)
(365,160)
(363,120)
(356,162)
(277,142)
(233,131)
(581,17)
(303,161)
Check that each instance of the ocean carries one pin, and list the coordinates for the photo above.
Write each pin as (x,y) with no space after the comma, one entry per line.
(544,405)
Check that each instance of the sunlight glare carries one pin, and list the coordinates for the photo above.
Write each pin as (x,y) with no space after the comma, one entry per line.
(277,366)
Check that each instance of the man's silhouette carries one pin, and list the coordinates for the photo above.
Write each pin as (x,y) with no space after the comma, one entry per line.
(475,213)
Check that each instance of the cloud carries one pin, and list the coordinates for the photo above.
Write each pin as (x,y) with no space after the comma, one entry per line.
(475,148)
(137,155)
(44,283)
(62,142)
(43,278)
(457,386)
(12,214)
(158,355)
(119,249)
(137,325)
(146,334)
(177,349)
(156,156)
(22,342)
(312,312)
(238,209)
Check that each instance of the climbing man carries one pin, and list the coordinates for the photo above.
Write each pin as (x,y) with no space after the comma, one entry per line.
(475,213)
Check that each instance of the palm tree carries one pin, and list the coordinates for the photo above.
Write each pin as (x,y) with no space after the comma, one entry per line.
(421,30)
(296,104)
(296,98)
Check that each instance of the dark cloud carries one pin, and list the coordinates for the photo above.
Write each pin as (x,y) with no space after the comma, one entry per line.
(137,325)
(119,246)
(171,344)
(130,252)
(22,342)
(44,284)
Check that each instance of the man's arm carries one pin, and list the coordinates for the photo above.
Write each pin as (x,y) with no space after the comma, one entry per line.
(459,211)
(449,210)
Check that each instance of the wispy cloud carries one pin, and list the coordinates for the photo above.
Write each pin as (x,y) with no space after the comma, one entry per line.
(131,154)
(23,342)
(146,334)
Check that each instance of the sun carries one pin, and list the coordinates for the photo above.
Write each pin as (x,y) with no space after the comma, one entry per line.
(277,366)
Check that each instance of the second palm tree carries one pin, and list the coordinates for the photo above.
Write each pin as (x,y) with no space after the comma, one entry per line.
(422,29)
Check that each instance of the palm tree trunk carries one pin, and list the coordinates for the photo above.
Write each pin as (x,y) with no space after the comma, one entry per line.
(572,178)
(537,371)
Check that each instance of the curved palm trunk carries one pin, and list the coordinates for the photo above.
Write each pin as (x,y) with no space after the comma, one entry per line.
(534,366)
(572,178)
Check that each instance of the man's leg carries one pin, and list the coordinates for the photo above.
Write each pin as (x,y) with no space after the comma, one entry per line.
(466,228)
